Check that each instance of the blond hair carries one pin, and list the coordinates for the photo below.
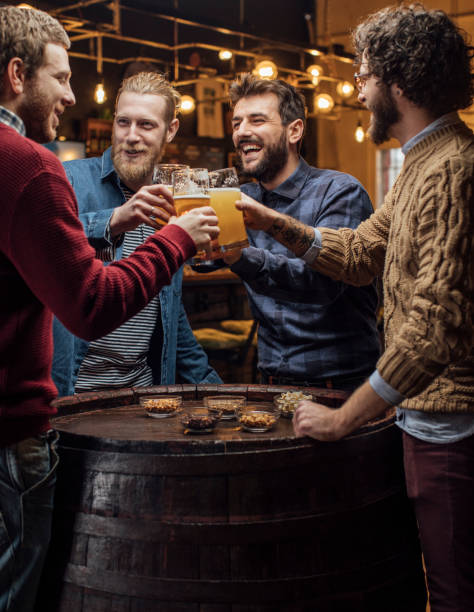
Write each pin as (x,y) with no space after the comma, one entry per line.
(155,84)
(24,33)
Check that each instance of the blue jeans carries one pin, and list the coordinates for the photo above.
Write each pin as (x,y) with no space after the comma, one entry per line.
(27,481)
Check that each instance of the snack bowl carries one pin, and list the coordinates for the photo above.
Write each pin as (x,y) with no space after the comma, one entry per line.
(225,405)
(287,402)
(161,406)
(258,419)
(199,420)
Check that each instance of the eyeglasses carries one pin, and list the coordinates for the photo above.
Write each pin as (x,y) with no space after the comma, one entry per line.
(361,79)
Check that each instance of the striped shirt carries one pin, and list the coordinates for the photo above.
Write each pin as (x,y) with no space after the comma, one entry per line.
(119,359)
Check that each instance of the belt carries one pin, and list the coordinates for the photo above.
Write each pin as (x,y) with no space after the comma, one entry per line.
(328,383)
(333,382)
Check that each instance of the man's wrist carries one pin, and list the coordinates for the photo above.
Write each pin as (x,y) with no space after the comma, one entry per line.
(310,255)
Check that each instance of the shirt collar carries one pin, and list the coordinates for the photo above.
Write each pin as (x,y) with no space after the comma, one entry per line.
(9,118)
(292,186)
(441,122)
(107,165)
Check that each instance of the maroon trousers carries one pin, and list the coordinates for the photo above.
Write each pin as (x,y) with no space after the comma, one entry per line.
(440,482)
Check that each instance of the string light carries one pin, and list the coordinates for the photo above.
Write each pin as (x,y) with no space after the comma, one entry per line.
(315,70)
(187,105)
(266,69)
(345,89)
(225,54)
(99,93)
(323,103)
(359,133)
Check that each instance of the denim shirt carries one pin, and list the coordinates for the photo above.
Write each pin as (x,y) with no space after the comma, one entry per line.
(98,193)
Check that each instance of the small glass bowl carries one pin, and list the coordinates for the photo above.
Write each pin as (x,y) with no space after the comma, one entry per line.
(225,405)
(258,419)
(199,420)
(161,406)
(287,402)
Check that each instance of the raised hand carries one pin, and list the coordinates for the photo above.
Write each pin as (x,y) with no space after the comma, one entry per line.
(256,215)
(149,203)
(201,225)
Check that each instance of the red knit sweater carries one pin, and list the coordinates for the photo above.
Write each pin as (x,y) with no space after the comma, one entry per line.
(47,266)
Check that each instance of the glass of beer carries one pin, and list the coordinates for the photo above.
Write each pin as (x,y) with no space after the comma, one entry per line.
(163,172)
(162,175)
(225,191)
(190,189)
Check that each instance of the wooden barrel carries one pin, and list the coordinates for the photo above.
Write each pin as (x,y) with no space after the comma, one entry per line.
(150,519)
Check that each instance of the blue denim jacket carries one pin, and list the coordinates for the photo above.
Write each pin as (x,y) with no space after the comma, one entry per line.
(98,192)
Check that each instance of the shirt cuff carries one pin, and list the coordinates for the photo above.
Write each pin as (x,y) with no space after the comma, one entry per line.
(314,249)
(386,392)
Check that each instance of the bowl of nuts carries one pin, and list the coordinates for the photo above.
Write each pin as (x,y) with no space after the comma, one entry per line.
(226,405)
(258,419)
(199,420)
(161,406)
(287,402)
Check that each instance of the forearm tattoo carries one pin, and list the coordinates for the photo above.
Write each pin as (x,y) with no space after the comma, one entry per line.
(295,235)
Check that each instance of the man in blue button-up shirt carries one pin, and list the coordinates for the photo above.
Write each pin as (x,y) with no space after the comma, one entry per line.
(118,206)
(311,329)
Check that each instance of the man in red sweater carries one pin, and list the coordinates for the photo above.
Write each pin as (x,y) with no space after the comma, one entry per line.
(46,267)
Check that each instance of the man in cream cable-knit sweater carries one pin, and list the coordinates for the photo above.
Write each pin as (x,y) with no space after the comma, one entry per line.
(414,75)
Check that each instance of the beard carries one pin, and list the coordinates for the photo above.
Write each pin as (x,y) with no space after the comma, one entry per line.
(384,114)
(274,159)
(36,110)
(133,172)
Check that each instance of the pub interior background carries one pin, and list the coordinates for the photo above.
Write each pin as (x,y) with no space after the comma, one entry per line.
(307,42)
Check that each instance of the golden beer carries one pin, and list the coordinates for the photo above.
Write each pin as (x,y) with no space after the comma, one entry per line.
(231,222)
(185,203)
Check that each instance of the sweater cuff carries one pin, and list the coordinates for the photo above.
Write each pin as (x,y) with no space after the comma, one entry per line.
(180,239)
(384,390)
(402,374)
(331,255)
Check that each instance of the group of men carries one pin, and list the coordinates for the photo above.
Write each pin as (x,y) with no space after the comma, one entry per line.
(315,251)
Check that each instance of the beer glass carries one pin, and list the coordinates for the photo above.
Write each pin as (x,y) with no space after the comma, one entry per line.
(163,172)
(190,189)
(225,191)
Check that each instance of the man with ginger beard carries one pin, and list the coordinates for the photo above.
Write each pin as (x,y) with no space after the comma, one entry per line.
(312,331)
(118,206)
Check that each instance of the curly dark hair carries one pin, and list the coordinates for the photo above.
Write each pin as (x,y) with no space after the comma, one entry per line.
(423,52)
(291,102)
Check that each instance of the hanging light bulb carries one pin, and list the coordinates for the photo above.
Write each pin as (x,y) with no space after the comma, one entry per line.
(225,54)
(99,93)
(323,103)
(315,70)
(188,104)
(359,133)
(345,89)
(266,69)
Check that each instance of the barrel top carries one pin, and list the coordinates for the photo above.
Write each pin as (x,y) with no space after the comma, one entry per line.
(116,420)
